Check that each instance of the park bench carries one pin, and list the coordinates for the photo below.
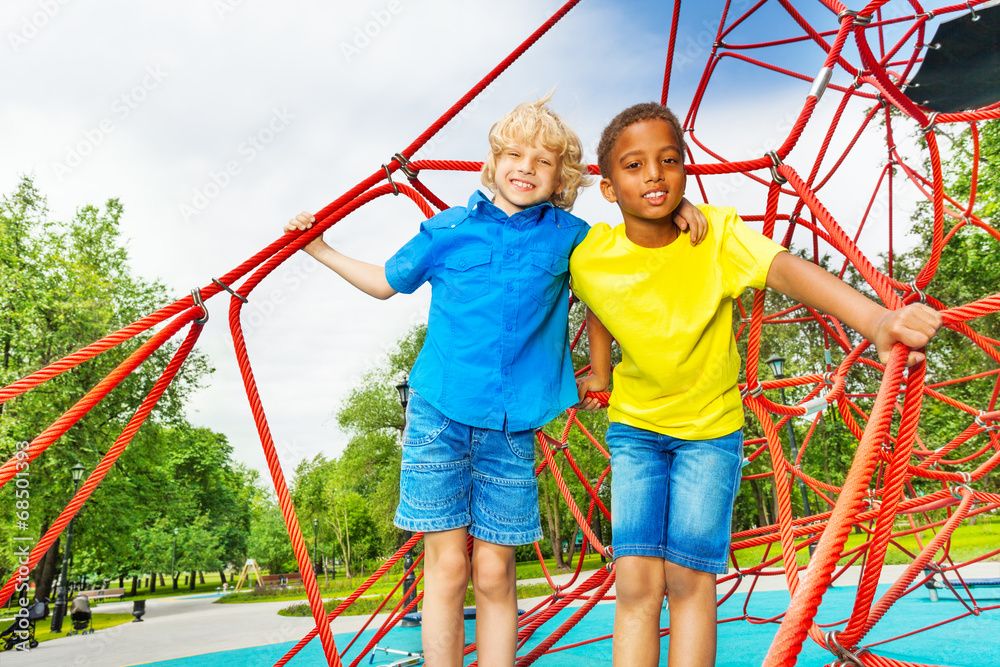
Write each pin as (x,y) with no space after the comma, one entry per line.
(103,594)
(269,581)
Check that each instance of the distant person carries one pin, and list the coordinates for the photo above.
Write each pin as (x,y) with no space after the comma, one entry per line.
(675,409)
(494,367)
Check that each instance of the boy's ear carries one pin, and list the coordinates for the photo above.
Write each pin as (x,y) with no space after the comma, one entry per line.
(608,190)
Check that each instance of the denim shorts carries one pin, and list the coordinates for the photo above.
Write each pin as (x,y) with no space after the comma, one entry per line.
(671,498)
(454,475)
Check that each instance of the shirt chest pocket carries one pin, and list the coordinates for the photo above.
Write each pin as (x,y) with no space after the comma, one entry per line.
(467,274)
(547,277)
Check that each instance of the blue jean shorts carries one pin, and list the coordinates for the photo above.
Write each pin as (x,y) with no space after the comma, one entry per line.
(671,498)
(454,475)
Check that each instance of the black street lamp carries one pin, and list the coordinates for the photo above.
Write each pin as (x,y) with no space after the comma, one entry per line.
(404,398)
(404,395)
(317,565)
(777,366)
(59,612)
(173,561)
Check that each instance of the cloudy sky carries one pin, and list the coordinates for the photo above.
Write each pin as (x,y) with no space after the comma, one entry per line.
(215,120)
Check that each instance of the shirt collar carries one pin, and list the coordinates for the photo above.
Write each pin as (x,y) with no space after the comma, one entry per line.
(480,203)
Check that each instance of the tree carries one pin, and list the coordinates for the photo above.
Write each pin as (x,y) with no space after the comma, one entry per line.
(968,270)
(65,285)
(268,543)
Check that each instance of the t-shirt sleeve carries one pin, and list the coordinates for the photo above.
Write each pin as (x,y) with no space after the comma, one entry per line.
(411,266)
(746,255)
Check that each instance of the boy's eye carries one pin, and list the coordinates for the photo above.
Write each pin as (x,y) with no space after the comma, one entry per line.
(632,165)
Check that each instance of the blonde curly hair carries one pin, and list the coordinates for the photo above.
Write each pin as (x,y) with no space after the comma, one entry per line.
(530,122)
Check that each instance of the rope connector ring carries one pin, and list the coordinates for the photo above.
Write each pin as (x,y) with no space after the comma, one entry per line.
(560,446)
(931,123)
(957,489)
(404,166)
(757,390)
(388,175)
(196,297)
(919,292)
(981,422)
(230,290)
(776,162)
(844,656)
(830,379)
(856,20)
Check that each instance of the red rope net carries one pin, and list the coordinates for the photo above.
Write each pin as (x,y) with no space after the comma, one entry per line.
(878,490)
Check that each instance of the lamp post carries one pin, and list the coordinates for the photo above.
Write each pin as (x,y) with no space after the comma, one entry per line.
(173,561)
(404,398)
(317,564)
(59,612)
(777,366)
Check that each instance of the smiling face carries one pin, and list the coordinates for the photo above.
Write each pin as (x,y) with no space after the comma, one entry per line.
(526,175)
(646,175)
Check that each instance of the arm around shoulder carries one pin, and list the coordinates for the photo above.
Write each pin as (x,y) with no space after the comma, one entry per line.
(913,325)
(599,341)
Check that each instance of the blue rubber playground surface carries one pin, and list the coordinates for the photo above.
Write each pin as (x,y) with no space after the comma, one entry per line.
(973,641)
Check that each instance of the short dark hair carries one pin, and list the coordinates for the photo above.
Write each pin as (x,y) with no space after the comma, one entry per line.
(627,118)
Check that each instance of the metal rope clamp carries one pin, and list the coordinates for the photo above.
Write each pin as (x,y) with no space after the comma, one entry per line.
(757,390)
(388,175)
(956,491)
(919,292)
(776,162)
(196,297)
(230,290)
(404,166)
(845,658)
(931,122)
(981,422)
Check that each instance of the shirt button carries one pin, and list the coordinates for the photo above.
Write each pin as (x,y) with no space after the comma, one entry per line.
(510,251)
(461,263)
(510,327)
(506,371)
(510,287)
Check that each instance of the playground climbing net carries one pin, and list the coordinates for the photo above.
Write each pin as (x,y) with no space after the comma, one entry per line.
(888,43)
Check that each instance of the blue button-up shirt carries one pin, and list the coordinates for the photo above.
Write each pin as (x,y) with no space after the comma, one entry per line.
(497,346)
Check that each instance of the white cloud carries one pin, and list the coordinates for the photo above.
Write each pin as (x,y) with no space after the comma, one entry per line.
(248,111)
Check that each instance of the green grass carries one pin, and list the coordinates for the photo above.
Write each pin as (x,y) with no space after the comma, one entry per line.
(367,605)
(99,622)
(212,581)
(966,542)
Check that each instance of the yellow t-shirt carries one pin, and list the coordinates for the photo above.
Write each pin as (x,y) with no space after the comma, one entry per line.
(671,311)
